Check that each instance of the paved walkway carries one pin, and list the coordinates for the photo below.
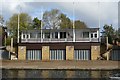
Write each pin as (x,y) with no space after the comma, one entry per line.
(17,64)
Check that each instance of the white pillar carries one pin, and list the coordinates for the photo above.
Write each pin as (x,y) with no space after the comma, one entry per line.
(90,36)
(58,35)
(36,35)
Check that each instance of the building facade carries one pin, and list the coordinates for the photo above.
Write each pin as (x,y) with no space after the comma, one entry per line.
(59,44)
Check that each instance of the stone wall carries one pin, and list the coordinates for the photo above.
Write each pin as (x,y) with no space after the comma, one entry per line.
(21,52)
(95,52)
(69,52)
(45,52)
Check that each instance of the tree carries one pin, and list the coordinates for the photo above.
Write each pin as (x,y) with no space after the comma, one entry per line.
(80,25)
(109,32)
(1,19)
(36,23)
(65,22)
(24,22)
(51,19)
(1,22)
(12,25)
(54,19)
(119,33)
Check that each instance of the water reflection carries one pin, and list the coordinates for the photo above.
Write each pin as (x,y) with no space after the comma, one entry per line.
(57,73)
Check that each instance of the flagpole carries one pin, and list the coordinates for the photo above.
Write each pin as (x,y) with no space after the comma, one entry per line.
(18,24)
(99,19)
(41,23)
(73,23)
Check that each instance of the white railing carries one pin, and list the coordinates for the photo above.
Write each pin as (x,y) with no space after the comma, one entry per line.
(36,40)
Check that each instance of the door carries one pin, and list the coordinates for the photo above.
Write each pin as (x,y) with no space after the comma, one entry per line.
(82,54)
(115,55)
(57,54)
(34,55)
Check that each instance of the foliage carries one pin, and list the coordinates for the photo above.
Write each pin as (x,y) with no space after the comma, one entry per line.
(65,22)
(1,19)
(24,22)
(80,25)
(36,23)
(109,32)
(54,19)
(119,33)
(8,40)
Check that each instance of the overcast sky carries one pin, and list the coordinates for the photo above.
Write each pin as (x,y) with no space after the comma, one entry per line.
(88,11)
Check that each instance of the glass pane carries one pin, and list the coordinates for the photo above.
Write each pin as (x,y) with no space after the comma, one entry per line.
(85,34)
(47,35)
(39,35)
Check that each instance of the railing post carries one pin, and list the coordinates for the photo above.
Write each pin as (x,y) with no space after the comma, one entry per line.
(89,36)
(58,35)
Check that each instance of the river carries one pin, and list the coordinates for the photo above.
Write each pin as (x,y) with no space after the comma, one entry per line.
(83,74)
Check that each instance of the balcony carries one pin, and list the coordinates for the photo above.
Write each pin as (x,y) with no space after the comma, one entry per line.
(38,40)
(59,36)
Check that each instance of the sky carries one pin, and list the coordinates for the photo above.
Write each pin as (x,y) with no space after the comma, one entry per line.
(94,13)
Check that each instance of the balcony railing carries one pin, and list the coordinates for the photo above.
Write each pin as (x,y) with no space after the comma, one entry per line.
(37,40)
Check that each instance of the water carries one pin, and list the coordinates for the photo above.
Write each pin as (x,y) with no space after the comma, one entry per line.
(28,73)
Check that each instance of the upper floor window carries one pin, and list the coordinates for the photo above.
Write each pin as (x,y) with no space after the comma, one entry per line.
(56,34)
(85,34)
(32,35)
(27,36)
(38,35)
(62,34)
(47,35)
(95,35)
(23,36)
(91,35)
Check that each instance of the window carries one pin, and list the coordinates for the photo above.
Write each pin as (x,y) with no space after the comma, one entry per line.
(57,54)
(85,34)
(91,35)
(62,34)
(47,35)
(56,34)
(27,36)
(34,55)
(39,35)
(23,35)
(95,35)
(32,35)
(82,54)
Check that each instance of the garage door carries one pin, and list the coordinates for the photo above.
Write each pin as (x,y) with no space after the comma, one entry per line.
(115,55)
(34,55)
(57,54)
(82,54)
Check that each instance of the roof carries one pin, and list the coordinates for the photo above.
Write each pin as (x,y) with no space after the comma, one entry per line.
(63,30)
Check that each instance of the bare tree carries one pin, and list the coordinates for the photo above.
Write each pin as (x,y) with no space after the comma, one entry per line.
(51,19)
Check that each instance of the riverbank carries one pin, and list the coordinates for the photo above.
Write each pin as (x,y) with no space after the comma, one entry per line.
(98,64)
